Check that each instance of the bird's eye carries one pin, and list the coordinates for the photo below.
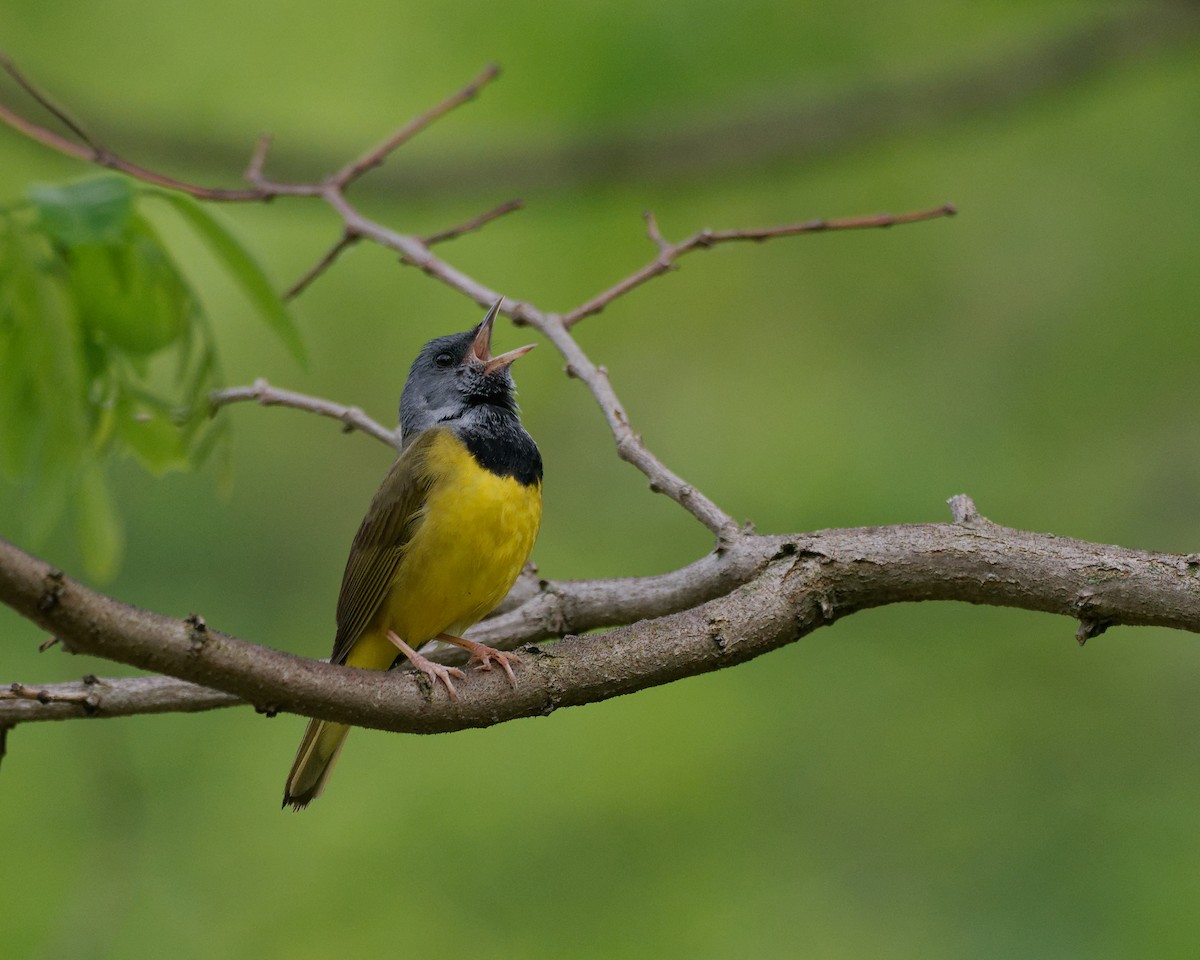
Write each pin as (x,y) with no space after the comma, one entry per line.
(443,360)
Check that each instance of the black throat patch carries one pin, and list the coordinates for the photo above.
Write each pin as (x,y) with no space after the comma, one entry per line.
(503,447)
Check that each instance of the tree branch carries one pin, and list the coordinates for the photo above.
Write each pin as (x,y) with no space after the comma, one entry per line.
(117,697)
(474,223)
(373,158)
(794,585)
(345,241)
(669,253)
(352,418)
(555,327)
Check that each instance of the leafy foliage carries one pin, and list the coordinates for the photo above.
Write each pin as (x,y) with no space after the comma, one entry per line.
(105,350)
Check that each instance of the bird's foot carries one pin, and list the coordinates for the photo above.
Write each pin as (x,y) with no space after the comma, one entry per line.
(436,672)
(483,656)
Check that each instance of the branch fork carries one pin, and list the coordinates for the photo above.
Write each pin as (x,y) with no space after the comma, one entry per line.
(752,594)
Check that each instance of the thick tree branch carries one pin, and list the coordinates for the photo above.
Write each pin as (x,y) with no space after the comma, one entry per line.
(797,583)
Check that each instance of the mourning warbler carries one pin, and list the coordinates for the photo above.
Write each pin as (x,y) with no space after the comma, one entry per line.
(445,536)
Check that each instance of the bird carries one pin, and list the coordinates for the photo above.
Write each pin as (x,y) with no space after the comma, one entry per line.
(446,535)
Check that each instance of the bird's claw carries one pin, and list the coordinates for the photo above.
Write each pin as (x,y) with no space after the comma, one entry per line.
(441,674)
(483,657)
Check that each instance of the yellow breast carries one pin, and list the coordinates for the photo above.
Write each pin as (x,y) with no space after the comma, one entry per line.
(475,534)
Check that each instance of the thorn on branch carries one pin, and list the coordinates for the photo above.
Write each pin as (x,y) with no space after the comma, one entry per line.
(197,632)
(716,632)
(1089,625)
(258,159)
(827,611)
(654,233)
(52,592)
(963,510)
(1090,628)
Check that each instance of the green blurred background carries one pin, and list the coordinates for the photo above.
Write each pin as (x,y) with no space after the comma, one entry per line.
(932,781)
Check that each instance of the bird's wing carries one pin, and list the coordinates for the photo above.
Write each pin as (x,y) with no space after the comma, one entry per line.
(393,516)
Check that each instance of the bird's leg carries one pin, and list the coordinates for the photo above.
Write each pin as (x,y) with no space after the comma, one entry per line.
(434,671)
(483,655)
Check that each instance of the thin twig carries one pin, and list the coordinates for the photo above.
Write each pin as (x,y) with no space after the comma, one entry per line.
(258,159)
(352,418)
(668,253)
(654,233)
(20,691)
(630,447)
(372,158)
(347,239)
(93,153)
(473,224)
(48,105)
(110,697)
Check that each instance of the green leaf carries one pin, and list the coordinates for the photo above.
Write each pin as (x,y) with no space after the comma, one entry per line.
(130,293)
(56,404)
(18,308)
(101,539)
(96,210)
(242,268)
(152,437)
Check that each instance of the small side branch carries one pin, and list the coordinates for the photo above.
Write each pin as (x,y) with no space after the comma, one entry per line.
(669,253)
(374,157)
(474,223)
(351,418)
(117,697)
(630,447)
(91,151)
(348,239)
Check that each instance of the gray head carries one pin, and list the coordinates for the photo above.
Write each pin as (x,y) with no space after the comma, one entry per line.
(454,374)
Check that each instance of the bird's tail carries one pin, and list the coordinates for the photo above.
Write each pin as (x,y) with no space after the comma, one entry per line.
(314,761)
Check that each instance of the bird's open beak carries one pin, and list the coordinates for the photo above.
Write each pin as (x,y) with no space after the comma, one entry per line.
(481,348)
